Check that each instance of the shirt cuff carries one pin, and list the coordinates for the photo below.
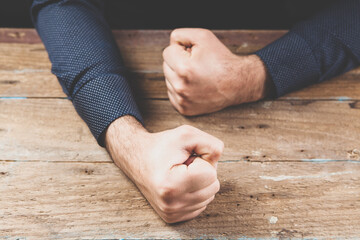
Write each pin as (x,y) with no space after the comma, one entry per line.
(103,100)
(290,62)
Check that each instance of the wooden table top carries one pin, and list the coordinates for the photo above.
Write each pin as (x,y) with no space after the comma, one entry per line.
(291,167)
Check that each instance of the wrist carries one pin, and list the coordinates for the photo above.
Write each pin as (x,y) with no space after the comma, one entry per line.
(254,78)
(125,140)
(122,128)
(258,75)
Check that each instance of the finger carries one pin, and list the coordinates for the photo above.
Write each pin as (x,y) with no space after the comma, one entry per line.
(177,58)
(169,87)
(197,181)
(174,102)
(196,194)
(182,216)
(203,193)
(176,82)
(200,175)
(191,215)
(208,147)
(181,211)
(200,205)
(205,145)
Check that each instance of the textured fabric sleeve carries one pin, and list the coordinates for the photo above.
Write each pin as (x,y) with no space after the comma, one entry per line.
(317,49)
(86,60)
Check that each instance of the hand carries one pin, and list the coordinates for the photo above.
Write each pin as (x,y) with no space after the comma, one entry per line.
(177,184)
(203,76)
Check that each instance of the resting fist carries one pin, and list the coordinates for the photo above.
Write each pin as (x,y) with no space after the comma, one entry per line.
(182,187)
(175,169)
(203,76)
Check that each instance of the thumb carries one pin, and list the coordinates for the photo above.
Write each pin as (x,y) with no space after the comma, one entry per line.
(203,145)
(193,157)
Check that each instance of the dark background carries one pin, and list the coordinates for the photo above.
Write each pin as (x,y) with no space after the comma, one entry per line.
(169,14)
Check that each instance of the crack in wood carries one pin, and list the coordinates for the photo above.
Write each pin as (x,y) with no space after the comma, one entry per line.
(9,81)
(301,102)
(355,105)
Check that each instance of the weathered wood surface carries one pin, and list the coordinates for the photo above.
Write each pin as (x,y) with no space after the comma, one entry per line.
(263,131)
(45,200)
(25,68)
(290,166)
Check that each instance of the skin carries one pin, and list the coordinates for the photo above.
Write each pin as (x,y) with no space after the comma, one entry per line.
(203,76)
(177,184)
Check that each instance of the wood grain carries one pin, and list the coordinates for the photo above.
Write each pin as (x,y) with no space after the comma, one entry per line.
(29,83)
(96,201)
(45,129)
(263,131)
(290,169)
(25,68)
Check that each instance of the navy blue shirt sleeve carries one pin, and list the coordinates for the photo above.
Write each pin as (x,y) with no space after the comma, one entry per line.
(315,50)
(86,60)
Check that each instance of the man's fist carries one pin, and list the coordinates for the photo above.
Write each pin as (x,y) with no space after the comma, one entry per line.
(175,169)
(203,76)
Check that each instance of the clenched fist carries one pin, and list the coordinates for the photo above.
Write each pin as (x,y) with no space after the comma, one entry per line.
(175,169)
(203,76)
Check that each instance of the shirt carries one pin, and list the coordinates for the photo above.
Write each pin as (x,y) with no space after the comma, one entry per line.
(88,65)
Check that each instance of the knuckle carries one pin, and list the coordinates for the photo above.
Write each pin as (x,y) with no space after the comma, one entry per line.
(180,88)
(217,154)
(166,209)
(181,109)
(165,53)
(204,33)
(171,219)
(186,129)
(167,193)
(168,219)
(217,149)
(184,71)
(169,210)
(174,33)
(217,188)
(182,102)
(212,174)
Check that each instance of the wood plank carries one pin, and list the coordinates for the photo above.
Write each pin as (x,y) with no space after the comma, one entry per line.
(345,87)
(290,167)
(45,129)
(23,57)
(19,35)
(263,131)
(148,85)
(29,83)
(44,200)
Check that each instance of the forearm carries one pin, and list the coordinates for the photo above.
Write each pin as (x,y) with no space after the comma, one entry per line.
(86,60)
(315,50)
(123,141)
(155,162)
(252,81)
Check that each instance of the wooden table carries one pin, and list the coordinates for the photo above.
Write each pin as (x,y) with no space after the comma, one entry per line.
(290,168)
